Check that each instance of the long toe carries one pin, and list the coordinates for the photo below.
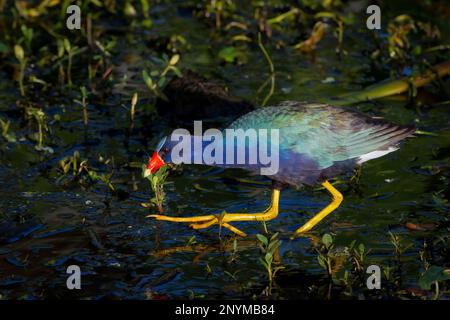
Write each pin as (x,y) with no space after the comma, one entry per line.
(181,219)
(203,225)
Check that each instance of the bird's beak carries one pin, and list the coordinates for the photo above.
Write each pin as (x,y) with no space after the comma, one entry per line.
(153,164)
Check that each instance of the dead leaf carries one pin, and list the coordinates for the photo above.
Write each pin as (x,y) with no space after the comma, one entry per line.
(316,35)
(421,227)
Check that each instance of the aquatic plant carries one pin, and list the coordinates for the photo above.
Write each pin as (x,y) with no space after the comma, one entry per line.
(271,76)
(269,250)
(399,244)
(434,275)
(40,118)
(83,104)
(134,101)
(359,255)
(85,174)
(330,258)
(167,65)
(6,134)
(69,51)
(157,181)
(20,56)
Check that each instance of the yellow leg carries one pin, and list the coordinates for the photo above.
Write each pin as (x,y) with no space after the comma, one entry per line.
(337,199)
(199,222)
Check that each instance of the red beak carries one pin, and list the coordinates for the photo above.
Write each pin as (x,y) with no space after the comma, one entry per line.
(154,164)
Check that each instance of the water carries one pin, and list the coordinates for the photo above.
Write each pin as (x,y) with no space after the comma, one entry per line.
(48,223)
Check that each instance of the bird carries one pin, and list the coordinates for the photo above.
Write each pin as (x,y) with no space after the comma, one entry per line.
(317,142)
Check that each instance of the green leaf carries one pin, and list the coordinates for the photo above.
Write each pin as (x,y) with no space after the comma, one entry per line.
(147,79)
(321,261)
(268,258)
(18,52)
(275,235)
(263,263)
(273,245)
(177,72)
(327,240)
(433,274)
(3,48)
(66,43)
(228,54)
(361,249)
(262,239)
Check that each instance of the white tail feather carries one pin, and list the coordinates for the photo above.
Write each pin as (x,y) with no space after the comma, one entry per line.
(375,154)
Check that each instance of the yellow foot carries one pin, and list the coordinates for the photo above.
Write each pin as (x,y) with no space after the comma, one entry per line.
(337,199)
(200,222)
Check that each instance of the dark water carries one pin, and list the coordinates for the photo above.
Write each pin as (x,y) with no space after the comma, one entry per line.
(48,223)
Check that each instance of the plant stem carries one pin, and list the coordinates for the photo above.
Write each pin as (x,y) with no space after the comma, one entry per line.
(389,88)
(22,70)
(436,296)
(271,68)
(69,69)
(40,134)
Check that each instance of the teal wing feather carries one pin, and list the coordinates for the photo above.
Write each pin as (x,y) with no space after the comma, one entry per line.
(324,133)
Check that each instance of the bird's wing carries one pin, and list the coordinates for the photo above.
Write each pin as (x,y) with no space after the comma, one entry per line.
(332,134)
(323,133)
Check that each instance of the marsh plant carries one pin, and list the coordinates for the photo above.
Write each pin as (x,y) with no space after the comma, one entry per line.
(330,258)
(399,244)
(358,254)
(69,49)
(7,134)
(81,172)
(157,181)
(134,101)
(40,118)
(269,253)
(156,80)
(434,276)
(20,56)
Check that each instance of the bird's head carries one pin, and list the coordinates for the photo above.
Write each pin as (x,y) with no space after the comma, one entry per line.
(160,157)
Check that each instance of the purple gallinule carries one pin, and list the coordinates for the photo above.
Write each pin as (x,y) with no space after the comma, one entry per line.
(316,142)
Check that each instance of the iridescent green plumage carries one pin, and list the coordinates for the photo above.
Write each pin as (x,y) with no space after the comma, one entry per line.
(318,139)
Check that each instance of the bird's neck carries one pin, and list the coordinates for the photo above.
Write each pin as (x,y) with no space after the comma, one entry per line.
(223,151)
